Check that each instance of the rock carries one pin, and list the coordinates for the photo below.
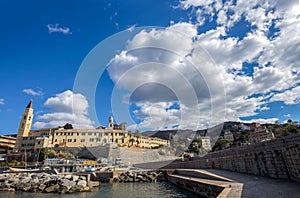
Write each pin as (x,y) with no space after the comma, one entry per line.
(52,189)
(42,187)
(76,188)
(67,183)
(82,183)
(75,178)
(27,188)
(82,177)
(68,177)
(86,189)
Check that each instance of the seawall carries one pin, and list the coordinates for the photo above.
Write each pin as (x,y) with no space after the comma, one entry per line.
(278,158)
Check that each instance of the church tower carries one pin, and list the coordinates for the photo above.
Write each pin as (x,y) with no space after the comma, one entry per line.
(25,125)
(110,122)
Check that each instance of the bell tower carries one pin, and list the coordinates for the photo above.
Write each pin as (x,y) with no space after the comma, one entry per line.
(25,125)
(110,122)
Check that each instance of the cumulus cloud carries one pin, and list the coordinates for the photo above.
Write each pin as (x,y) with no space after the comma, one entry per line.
(1,101)
(56,28)
(32,92)
(65,107)
(262,120)
(289,97)
(207,65)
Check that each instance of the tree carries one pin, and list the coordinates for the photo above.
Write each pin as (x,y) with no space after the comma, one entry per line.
(68,126)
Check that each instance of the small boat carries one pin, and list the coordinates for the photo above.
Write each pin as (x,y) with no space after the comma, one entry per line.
(11,169)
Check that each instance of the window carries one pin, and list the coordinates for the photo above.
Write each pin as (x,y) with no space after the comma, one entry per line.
(89,134)
(106,134)
(91,139)
(82,140)
(74,140)
(69,140)
(83,133)
(95,134)
(121,134)
(39,142)
(97,139)
(55,140)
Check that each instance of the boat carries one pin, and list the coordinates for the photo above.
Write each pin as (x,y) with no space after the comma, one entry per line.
(11,169)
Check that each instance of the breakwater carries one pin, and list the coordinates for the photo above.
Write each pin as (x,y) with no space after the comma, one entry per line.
(278,158)
(43,182)
(144,176)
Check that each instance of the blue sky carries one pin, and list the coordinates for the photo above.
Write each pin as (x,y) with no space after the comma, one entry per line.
(252,47)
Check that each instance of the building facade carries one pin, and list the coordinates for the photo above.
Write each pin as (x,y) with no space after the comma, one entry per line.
(62,137)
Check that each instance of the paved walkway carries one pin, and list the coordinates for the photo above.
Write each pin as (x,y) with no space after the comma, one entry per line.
(255,186)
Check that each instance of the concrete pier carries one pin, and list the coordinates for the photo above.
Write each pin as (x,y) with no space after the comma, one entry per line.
(210,182)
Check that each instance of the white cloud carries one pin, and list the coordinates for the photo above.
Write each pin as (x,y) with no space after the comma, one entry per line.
(32,92)
(154,56)
(1,101)
(131,28)
(262,120)
(289,97)
(53,28)
(65,107)
(287,115)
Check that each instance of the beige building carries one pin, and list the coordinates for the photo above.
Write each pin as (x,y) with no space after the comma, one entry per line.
(7,142)
(60,137)
(87,137)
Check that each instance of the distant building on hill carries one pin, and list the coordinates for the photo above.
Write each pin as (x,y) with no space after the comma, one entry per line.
(228,136)
(261,134)
(206,143)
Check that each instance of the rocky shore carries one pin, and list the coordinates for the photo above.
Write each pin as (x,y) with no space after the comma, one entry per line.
(147,176)
(43,182)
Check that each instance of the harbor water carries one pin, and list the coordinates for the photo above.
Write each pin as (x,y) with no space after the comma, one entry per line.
(122,190)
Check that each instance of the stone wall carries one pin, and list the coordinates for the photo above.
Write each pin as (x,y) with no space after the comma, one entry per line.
(278,158)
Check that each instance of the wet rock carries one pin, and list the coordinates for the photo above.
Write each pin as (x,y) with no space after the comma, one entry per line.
(52,189)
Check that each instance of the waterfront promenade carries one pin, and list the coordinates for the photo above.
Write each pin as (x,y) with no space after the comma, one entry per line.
(242,185)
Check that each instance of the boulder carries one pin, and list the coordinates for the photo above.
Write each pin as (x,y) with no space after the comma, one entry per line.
(75,178)
(52,189)
(42,187)
(67,183)
(82,183)
(68,177)
(76,188)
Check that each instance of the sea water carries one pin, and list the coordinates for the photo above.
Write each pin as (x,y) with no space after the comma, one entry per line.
(122,190)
